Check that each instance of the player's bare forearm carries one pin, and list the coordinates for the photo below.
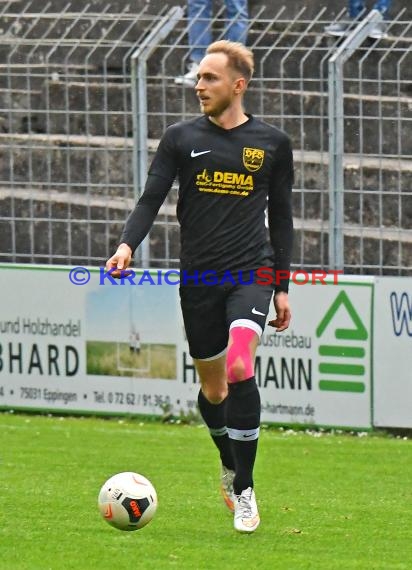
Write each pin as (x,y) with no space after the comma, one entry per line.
(283,313)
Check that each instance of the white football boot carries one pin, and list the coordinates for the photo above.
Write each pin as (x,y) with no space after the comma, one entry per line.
(226,487)
(246,512)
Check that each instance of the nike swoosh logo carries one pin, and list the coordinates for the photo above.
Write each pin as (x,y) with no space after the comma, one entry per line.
(194,154)
(248,434)
(256,312)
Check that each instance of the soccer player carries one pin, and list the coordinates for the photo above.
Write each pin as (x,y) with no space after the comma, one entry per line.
(231,167)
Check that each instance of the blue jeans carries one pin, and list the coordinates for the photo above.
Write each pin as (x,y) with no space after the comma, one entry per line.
(200,14)
(356,7)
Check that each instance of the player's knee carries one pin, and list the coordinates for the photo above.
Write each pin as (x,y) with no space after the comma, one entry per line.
(239,361)
(239,370)
(214,394)
(239,364)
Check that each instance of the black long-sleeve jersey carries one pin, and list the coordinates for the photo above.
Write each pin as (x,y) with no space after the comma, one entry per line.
(227,178)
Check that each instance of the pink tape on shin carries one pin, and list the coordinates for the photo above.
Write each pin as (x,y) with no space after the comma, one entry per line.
(239,364)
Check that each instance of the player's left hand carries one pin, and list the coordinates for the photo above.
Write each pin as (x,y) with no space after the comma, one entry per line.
(120,261)
(283,314)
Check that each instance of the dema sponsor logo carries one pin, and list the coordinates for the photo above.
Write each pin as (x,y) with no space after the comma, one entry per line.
(217,182)
(401,309)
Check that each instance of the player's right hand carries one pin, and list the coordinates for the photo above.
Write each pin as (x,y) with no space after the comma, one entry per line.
(120,261)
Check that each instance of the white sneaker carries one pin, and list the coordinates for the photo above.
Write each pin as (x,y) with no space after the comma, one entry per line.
(246,512)
(378,32)
(338,29)
(190,78)
(226,487)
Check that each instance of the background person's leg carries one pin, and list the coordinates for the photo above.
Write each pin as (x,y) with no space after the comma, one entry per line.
(355,8)
(382,5)
(200,35)
(237,16)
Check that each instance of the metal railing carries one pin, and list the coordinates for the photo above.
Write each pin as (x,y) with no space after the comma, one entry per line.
(351,43)
(68,162)
(140,107)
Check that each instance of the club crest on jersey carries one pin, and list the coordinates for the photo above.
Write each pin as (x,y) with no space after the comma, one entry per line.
(253,158)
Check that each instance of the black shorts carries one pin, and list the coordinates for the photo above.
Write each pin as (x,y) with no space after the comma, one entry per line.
(208,313)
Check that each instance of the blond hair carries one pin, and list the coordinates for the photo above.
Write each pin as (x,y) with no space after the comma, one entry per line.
(240,58)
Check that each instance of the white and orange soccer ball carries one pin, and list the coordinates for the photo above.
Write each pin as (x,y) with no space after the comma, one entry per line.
(127,501)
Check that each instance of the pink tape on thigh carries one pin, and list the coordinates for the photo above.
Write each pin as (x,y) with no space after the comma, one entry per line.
(239,364)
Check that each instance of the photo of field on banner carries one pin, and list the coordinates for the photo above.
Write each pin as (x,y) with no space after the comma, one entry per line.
(135,357)
(138,341)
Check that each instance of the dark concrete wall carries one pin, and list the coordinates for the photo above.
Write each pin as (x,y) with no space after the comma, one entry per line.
(111,169)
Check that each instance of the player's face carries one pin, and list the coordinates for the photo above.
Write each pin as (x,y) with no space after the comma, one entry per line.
(217,86)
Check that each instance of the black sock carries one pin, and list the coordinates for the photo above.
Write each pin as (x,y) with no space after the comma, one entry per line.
(243,419)
(214,416)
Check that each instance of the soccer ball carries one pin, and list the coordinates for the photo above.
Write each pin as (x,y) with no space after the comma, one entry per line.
(127,501)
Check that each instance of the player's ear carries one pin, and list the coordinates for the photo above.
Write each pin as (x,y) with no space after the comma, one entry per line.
(240,85)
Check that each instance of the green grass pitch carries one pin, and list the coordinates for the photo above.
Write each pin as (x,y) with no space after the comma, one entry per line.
(329,502)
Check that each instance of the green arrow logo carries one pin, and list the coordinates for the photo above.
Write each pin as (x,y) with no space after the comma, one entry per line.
(347,373)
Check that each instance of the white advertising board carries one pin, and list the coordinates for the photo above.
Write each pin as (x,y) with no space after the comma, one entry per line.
(393,352)
(105,347)
(91,347)
(319,370)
